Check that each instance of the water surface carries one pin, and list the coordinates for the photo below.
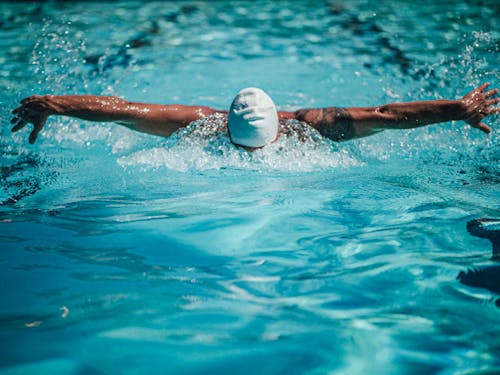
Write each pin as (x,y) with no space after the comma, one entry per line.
(127,253)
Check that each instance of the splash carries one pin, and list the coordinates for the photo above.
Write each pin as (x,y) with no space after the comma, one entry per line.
(475,64)
(62,62)
(205,145)
(56,58)
(451,77)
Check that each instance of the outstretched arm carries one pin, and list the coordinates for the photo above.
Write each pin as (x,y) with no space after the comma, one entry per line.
(355,122)
(154,119)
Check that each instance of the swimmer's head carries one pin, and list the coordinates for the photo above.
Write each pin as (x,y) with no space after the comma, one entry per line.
(253,119)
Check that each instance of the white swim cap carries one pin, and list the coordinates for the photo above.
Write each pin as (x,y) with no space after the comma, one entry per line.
(253,119)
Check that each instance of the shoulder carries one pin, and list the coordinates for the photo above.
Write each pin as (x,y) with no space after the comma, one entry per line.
(332,122)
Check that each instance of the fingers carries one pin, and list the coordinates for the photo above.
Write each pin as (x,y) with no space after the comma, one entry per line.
(33,136)
(475,122)
(36,129)
(17,120)
(483,127)
(19,112)
(31,98)
(20,124)
(483,87)
(480,106)
(489,107)
(487,94)
(31,110)
(27,113)
(23,114)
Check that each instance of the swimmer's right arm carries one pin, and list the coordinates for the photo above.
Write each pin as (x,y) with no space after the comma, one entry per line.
(156,119)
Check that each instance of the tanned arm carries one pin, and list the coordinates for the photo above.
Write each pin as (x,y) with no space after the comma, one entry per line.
(355,122)
(155,119)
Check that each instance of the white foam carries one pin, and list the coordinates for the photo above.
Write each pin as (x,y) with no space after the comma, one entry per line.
(205,145)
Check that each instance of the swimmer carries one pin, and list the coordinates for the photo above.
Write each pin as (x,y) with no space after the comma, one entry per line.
(252,119)
(485,277)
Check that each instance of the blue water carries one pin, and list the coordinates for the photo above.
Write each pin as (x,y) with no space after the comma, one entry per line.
(130,254)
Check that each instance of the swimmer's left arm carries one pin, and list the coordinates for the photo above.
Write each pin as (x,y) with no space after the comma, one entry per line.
(355,122)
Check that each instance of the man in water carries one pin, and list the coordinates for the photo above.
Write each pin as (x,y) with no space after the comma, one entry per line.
(252,119)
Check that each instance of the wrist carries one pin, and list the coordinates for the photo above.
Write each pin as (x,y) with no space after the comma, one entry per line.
(460,110)
(53,105)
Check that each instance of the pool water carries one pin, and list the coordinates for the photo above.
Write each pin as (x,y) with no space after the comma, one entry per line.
(130,254)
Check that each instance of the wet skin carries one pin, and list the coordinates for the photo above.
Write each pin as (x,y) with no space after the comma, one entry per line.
(336,123)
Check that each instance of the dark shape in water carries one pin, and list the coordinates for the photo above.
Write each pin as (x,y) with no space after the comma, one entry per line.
(23,179)
(388,47)
(486,277)
(360,27)
(122,57)
(489,229)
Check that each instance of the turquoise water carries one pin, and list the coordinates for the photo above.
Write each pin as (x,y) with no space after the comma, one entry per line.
(126,253)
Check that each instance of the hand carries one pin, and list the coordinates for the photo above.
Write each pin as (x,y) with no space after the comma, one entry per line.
(35,110)
(478,104)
